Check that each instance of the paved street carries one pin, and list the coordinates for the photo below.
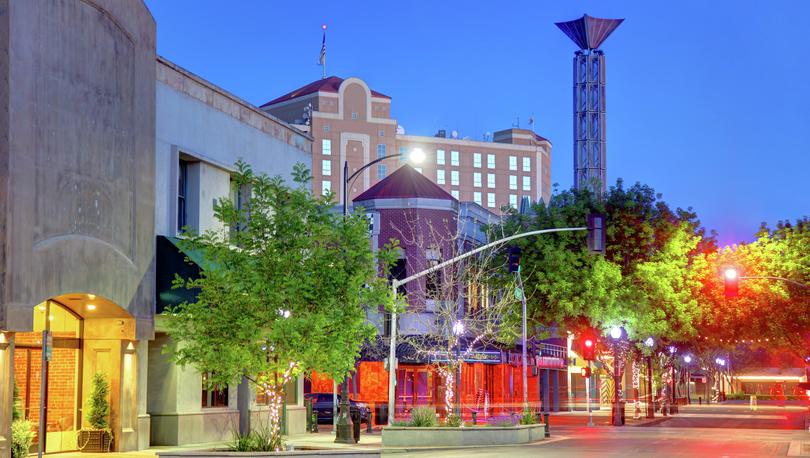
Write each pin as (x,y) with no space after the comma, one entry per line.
(729,430)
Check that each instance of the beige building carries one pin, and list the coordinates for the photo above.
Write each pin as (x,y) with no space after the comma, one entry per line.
(350,122)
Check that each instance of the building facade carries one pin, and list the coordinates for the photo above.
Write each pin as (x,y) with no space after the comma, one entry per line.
(350,122)
(106,151)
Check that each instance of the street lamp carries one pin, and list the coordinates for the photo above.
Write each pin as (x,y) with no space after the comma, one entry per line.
(616,333)
(688,359)
(344,422)
(415,156)
(650,343)
(458,331)
(722,363)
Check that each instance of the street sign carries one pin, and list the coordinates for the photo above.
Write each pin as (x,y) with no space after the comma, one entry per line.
(518,293)
(47,345)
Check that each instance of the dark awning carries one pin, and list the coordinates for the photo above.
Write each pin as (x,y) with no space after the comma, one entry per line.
(171,260)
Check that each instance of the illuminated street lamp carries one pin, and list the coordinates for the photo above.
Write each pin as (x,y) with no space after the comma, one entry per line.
(688,359)
(616,333)
(731,282)
(650,343)
(458,331)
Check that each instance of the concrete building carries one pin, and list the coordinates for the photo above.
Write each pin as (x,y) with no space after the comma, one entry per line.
(201,131)
(77,136)
(106,150)
(351,122)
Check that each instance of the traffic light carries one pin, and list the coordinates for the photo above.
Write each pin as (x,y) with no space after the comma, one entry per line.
(513,259)
(596,233)
(588,348)
(731,282)
(585,372)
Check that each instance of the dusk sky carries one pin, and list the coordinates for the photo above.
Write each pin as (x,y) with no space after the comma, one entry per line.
(707,101)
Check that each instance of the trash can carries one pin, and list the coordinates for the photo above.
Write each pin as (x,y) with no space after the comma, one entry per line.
(381,414)
(356,425)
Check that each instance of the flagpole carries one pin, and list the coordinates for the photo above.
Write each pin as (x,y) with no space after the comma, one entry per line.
(323,52)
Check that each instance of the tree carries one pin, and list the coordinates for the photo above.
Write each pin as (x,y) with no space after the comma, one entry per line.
(284,290)
(98,411)
(471,302)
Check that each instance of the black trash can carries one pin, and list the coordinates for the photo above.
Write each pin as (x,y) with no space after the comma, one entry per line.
(356,425)
(381,414)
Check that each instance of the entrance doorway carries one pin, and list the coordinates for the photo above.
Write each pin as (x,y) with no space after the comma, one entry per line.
(62,413)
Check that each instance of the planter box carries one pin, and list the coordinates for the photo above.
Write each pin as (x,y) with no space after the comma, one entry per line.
(94,441)
(348,453)
(407,436)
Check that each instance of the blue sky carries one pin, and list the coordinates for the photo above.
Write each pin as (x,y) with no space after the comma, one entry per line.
(707,101)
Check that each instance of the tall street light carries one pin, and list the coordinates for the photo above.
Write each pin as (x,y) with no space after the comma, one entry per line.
(344,421)
(650,343)
(616,334)
(688,359)
(458,331)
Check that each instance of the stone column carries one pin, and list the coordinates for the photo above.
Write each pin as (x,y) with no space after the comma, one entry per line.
(143,417)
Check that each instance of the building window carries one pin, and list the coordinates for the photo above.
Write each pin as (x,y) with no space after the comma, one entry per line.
(212,395)
(513,200)
(326,167)
(527,183)
(418,169)
(182,192)
(381,150)
(477,197)
(381,171)
(527,164)
(477,160)
(454,177)
(477,180)
(455,194)
(440,177)
(512,162)
(512,182)
(326,147)
(354,115)
(491,180)
(326,128)
(454,158)
(490,199)
(403,154)
(381,133)
(490,161)
(326,187)
(440,156)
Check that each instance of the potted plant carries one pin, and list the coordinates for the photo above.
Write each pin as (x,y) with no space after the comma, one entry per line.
(22,431)
(98,437)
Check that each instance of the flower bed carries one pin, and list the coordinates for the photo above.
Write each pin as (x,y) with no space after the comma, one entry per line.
(437,436)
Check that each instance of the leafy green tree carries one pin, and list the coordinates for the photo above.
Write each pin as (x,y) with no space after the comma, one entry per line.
(284,290)
(98,411)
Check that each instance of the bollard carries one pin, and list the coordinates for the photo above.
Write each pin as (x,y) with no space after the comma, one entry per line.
(700,400)
(545,421)
(368,421)
(475,417)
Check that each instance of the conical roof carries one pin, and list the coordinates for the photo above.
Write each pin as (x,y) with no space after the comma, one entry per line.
(589,32)
(404,183)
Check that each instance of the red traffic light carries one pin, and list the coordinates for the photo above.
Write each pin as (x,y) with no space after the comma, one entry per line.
(589,349)
(585,372)
(731,282)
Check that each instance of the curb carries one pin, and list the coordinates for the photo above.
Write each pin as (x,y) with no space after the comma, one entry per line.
(385,450)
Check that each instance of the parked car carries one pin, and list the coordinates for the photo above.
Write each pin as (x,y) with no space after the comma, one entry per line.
(322,404)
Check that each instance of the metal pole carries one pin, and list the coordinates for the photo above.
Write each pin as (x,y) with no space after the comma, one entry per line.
(392,358)
(458,376)
(43,381)
(650,396)
(588,395)
(396,283)
(617,416)
(568,373)
(523,351)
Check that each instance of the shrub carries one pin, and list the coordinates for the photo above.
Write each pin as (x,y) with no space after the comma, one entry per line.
(258,440)
(423,417)
(528,418)
(401,423)
(452,421)
(98,405)
(22,436)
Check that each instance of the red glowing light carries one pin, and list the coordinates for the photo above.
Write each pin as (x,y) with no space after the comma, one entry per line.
(589,343)
(731,274)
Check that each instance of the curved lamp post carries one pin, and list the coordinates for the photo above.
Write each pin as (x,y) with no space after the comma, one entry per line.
(344,422)
(616,333)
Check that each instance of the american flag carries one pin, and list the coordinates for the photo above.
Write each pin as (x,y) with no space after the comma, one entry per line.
(322,58)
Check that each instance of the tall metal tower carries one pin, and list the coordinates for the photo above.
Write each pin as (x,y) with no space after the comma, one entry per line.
(590,152)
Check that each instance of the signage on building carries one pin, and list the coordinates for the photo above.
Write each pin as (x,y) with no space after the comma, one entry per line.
(548,362)
(490,357)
